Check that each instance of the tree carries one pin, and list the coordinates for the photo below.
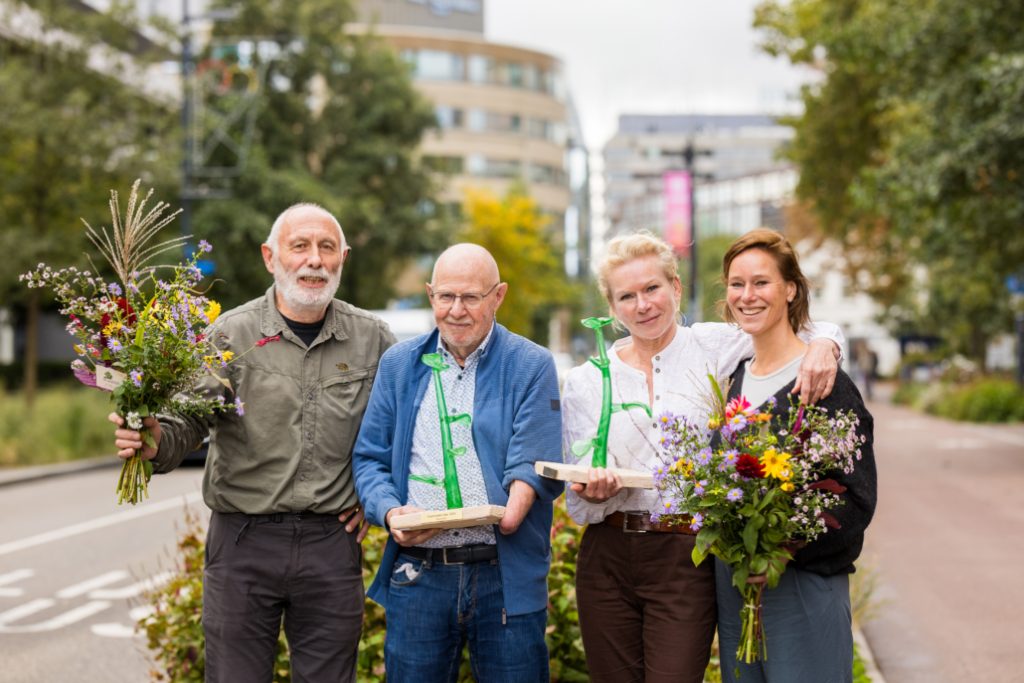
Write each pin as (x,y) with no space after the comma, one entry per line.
(67,137)
(338,124)
(911,149)
(513,229)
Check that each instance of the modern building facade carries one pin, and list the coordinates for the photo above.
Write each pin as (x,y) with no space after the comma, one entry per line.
(504,112)
(737,171)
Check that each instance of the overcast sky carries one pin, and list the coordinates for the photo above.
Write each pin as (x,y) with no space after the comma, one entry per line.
(650,56)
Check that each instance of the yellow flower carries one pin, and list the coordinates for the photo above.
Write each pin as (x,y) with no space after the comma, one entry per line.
(714,423)
(776,464)
(112,327)
(227,355)
(763,417)
(787,487)
(79,350)
(212,310)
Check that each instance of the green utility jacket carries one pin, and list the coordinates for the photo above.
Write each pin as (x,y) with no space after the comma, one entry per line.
(291,449)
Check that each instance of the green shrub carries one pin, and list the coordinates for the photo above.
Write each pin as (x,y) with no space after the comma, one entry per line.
(986,400)
(64,424)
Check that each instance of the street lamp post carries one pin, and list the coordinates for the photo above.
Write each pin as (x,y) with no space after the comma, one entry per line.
(187,70)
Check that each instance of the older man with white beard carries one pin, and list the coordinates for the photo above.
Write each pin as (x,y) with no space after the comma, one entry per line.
(286,524)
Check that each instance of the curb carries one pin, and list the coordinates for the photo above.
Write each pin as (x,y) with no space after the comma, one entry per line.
(21,475)
(870,666)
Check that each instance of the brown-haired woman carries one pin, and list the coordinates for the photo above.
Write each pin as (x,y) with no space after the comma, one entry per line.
(807,616)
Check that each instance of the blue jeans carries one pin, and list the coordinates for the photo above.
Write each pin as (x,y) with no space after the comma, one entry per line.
(434,609)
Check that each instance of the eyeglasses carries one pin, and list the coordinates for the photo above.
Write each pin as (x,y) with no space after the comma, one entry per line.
(469,299)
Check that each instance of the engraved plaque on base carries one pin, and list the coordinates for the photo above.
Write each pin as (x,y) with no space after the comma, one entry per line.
(449,519)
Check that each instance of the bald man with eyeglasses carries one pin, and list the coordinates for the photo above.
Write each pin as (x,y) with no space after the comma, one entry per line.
(484,585)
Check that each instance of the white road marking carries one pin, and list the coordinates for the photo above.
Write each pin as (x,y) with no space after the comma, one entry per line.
(143,510)
(133,590)
(11,577)
(118,630)
(22,611)
(61,620)
(93,583)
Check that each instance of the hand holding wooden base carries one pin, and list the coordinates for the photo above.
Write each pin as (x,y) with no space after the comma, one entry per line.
(580,474)
(456,518)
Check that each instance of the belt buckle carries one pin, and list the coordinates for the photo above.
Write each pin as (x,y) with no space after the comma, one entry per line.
(444,555)
(625,525)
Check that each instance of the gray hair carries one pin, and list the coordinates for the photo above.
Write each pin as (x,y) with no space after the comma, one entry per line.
(275,229)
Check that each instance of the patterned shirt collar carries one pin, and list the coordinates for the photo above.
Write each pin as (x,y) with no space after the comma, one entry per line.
(478,353)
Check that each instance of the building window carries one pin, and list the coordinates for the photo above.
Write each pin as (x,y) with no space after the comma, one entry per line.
(436,65)
(448,117)
(482,167)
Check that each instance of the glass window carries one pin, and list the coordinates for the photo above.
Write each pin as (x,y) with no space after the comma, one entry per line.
(439,66)
(448,117)
(481,69)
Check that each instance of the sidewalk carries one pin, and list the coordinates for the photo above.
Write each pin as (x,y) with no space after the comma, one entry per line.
(943,547)
(20,475)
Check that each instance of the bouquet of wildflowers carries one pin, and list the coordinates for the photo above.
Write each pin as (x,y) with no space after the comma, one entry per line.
(140,337)
(754,491)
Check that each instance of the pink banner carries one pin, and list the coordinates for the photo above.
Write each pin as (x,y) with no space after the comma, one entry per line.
(678,186)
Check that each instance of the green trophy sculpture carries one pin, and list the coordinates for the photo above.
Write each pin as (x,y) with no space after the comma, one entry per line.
(455,516)
(452,492)
(599,444)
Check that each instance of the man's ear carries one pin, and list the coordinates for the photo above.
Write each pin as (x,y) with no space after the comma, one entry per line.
(268,258)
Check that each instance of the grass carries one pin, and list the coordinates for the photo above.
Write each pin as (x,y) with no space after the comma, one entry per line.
(66,423)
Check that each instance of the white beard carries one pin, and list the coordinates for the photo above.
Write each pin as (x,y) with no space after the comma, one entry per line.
(300,298)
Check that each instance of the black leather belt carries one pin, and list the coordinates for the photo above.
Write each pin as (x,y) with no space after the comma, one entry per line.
(640,523)
(278,517)
(462,554)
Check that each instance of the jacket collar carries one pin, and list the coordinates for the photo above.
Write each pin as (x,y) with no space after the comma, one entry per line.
(272,322)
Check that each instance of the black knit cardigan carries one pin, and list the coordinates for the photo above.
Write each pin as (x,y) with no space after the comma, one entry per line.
(835,551)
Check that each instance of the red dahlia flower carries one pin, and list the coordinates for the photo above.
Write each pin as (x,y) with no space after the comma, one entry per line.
(750,467)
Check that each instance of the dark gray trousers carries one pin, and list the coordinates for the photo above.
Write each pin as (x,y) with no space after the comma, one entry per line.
(807,629)
(259,569)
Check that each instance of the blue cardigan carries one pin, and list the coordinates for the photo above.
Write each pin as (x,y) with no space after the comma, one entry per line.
(516,421)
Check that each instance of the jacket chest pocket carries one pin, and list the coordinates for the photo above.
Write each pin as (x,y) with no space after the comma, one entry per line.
(343,399)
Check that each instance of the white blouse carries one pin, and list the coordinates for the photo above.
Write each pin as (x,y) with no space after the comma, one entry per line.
(681,386)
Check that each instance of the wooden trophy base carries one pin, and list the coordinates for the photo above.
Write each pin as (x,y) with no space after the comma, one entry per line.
(449,519)
(580,474)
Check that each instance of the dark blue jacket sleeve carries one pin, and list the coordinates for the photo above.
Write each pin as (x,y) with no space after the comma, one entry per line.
(536,432)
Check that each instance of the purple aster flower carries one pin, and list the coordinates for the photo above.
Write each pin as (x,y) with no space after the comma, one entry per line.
(704,456)
(735,495)
(204,246)
(698,488)
(239,407)
(136,376)
(114,289)
(114,345)
(697,522)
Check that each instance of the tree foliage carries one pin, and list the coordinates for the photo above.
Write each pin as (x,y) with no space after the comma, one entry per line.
(911,150)
(337,124)
(68,135)
(517,234)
